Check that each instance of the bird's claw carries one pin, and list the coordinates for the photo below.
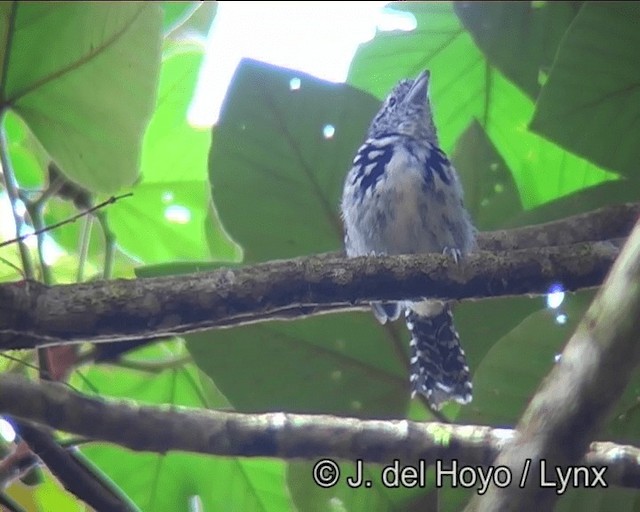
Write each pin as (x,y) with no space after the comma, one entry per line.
(456,254)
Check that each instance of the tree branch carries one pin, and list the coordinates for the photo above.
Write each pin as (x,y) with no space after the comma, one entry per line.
(287,436)
(579,394)
(73,470)
(33,315)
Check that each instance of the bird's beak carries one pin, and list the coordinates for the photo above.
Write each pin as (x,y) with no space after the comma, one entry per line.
(418,92)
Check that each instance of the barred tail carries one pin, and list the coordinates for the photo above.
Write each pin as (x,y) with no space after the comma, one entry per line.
(438,366)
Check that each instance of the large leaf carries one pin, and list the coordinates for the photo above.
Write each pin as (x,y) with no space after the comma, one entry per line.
(340,364)
(542,170)
(465,87)
(176,13)
(277,183)
(581,201)
(83,76)
(591,102)
(519,38)
(172,199)
(439,43)
(507,378)
(490,194)
(372,496)
(171,481)
(276,179)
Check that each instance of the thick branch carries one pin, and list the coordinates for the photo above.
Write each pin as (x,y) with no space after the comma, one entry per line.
(34,315)
(579,394)
(614,221)
(287,436)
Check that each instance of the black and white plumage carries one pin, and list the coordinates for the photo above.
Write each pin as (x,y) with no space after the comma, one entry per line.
(403,196)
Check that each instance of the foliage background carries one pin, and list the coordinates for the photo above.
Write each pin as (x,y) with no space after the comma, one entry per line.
(537,102)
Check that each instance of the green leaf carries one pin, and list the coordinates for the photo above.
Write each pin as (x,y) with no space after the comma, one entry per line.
(542,170)
(172,198)
(83,77)
(591,101)
(581,201)
(599,500)
(187,22)
(277,183)
(513,370)
(47,496)
(438,43)
(176,13)
(490,194)
(28,159)
(482,323)
(464,88)
(343,365)
(169,482)
(518,38)
(308,496)
(270,166)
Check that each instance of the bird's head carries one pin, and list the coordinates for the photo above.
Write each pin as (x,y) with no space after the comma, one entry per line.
(406,110)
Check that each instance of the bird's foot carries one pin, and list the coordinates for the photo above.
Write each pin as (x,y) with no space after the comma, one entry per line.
(456,254)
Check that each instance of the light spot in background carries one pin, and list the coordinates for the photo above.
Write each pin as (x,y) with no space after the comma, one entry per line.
(167,197)
(543,76)
(51,251)
(498,188)
(391,19)
(28,232)
(555,295)
(557,358)
(20,208)
(356,405)
(6,431)
(336,375)
(195,503)
(178,214)
(328,131)
(319,38)
(294,84)
(337,505)
(561,319)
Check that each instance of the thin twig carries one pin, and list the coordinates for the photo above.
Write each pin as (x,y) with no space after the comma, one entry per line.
(109,201)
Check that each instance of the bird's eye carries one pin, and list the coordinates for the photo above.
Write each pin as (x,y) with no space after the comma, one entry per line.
(392,102)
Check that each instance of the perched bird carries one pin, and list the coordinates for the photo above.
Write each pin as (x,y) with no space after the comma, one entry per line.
(403,196)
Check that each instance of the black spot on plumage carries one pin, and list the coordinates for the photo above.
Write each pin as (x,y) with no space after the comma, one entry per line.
(438,366)
(371,161)
(438,164)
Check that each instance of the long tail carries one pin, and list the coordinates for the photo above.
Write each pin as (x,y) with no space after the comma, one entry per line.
(439,369)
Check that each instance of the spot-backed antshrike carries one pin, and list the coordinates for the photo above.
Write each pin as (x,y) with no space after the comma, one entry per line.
(403,196)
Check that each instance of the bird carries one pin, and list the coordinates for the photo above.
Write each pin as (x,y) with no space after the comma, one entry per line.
(402,195)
